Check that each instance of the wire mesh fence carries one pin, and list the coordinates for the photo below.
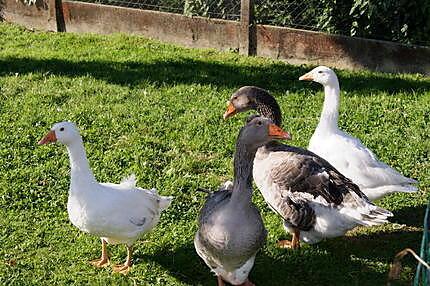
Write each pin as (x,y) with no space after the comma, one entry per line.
(389,20)
(221,9)
(173,6)
(294,14)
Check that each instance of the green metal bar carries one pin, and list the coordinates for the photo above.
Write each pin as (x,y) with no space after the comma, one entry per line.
(422,275)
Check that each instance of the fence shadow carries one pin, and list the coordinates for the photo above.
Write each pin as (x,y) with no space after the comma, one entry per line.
(276,77)
(339,261)
(383,245)
(184,264)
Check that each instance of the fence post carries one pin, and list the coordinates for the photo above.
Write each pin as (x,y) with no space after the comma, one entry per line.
(248,31)
(56,17)
(61,25)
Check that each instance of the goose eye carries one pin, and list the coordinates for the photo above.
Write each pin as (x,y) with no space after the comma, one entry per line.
(320,72)
(62,129)
(259,123)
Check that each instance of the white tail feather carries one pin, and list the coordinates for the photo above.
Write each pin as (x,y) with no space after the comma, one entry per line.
(228,185)
(164,202)
(129,182)
(376,193)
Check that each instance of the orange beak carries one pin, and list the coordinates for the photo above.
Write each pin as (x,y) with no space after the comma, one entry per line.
(50,137)
(231,110)
(307,76)
(276,132)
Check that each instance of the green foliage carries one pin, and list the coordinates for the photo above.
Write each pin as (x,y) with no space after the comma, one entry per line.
(156,110)
(393,20)
(224,9)
(400,21)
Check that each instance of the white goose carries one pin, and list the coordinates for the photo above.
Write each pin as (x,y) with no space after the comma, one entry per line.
(117,213)
(346,153)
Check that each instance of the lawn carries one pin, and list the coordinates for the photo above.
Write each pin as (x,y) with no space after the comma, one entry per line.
(155,110)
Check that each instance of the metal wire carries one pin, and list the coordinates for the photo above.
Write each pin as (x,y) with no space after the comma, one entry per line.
(222,9)
(290,13)
(156,5)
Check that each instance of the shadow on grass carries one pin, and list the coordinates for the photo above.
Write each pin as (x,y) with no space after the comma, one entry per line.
(342,261)
(275,77)
(411,216)
(382,245)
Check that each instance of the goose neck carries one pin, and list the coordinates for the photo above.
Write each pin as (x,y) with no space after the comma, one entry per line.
(330,113)
(267,106)
(242,185)
(80,168)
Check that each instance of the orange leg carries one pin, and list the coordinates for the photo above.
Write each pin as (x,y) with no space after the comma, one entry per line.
(124,268)
(294,243)
(220,281)
(247,283)
(104,259)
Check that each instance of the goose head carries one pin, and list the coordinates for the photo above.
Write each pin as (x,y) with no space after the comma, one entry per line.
(64,132)
(252,97)
(322,75)
(244,99)
(259,131)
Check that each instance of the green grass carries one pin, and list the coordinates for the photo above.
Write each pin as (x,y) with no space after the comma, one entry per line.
(156,110)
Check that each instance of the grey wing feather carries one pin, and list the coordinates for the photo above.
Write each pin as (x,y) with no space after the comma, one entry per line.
(306,172)
(138,222)
(212,200)
(301,176)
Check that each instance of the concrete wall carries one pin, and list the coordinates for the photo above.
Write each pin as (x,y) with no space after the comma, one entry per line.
(168,27)
(292,45)
(299,46)
(33,17)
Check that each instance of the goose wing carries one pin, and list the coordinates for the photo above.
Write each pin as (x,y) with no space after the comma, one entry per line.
(300,177)
(303,172)
(359,162)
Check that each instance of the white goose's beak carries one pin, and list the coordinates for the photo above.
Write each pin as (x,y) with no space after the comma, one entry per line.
(50,137)
(307,76)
